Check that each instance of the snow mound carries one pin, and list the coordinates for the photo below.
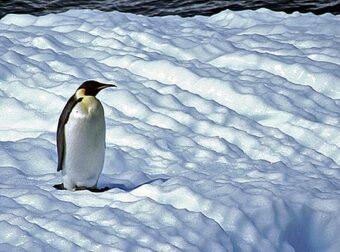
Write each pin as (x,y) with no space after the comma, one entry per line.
(223,133)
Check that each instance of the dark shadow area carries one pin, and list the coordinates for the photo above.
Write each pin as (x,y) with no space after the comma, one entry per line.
(107,187)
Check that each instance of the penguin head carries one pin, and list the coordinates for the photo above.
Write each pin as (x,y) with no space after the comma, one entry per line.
(92,87)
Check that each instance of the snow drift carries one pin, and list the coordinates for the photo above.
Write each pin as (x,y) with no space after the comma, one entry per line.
(223,133)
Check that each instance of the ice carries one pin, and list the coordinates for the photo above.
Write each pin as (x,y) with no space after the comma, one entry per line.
(222,135)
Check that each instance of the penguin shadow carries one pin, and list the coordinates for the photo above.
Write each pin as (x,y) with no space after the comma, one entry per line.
(107,187)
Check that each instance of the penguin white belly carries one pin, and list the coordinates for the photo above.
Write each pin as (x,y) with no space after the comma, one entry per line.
(84,145)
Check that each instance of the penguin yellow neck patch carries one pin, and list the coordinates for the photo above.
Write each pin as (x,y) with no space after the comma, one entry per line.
(89,104)
(80,93)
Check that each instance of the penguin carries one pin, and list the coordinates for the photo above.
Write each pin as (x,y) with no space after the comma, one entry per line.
(81,138)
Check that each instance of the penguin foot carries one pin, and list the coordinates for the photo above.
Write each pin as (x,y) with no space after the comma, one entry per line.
(92,189)
(59,186)
(96,190)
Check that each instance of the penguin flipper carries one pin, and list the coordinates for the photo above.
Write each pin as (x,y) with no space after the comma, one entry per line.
(61,129)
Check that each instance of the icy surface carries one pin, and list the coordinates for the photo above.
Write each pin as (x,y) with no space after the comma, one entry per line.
(223,135)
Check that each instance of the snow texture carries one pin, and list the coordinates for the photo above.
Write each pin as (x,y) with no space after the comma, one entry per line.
(223,133)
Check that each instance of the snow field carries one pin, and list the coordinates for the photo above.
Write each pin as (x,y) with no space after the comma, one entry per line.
(223,133)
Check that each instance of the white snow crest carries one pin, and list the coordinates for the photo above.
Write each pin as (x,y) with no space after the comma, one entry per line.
(223,133)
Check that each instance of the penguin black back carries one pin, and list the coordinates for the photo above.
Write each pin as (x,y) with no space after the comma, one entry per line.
(61,128)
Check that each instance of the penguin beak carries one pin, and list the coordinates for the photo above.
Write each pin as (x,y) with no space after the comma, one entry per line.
(103,85)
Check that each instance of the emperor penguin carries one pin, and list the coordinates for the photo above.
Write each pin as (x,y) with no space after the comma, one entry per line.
(81,138)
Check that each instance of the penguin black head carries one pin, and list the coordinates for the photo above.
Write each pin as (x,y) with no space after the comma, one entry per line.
(92,87)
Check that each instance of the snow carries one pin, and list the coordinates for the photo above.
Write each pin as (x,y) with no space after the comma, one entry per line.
(223,133)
